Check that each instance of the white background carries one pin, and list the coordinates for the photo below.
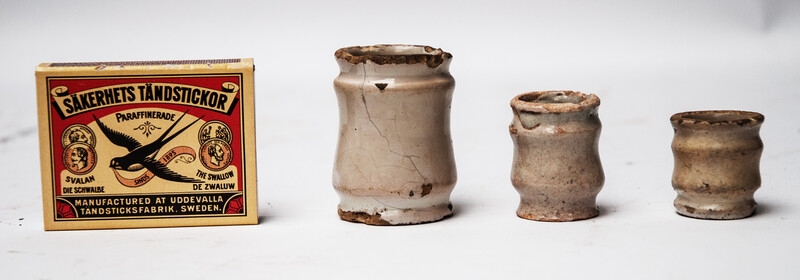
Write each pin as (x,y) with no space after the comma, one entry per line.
(645,59)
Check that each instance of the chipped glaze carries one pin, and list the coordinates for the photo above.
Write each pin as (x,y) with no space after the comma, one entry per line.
(556,167)
(394,160)
(717,155)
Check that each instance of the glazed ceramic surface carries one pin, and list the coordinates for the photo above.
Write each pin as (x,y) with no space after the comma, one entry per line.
(556,167)
(394,161)
(717,156)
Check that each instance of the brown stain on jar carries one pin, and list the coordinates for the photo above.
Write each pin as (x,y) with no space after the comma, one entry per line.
(362,217)
(426,189)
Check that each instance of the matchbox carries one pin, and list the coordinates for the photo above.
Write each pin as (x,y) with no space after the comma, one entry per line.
(147,144)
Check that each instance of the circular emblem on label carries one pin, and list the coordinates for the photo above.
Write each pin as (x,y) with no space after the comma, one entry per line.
(216,154)
(215,130)
(77,133)
(79,158)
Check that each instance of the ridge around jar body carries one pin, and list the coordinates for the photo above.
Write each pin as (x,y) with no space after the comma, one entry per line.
(717,155)
(556,167)
(394,159)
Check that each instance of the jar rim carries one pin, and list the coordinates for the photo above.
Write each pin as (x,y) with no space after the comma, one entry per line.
(394,54)
(555,101)
(708,118)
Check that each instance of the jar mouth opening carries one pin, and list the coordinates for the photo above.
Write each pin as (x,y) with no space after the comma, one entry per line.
(394,54)
(555,101)
(717,118)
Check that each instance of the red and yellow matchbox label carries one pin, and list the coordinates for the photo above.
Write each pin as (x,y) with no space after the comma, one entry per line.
(147,144)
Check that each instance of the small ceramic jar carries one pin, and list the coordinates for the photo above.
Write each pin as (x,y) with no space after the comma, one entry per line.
(717,156)
(394,161)
(556,167)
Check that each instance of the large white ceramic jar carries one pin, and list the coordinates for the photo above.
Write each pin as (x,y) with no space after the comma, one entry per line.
(394,161)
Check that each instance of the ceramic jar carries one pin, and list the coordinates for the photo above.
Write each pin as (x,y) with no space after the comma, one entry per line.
(556,167)
(394,160)
(717,156)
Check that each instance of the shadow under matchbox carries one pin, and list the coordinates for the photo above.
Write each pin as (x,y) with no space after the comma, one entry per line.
(147,143)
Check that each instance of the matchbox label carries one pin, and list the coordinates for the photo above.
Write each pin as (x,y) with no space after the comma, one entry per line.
(127,147)
(68,105)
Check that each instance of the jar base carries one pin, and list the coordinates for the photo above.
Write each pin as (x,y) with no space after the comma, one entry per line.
(715,211)
(393,210)
(558,215)
(394,217)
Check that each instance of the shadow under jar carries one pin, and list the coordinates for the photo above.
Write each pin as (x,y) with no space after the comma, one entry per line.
(394,161)
(556,167)
(717,155)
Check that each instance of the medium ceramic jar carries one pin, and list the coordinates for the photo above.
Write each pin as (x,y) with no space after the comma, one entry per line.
(717,156)
(394,161)
(556,167)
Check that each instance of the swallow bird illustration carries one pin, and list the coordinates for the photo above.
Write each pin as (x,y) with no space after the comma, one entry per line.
(139,156)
